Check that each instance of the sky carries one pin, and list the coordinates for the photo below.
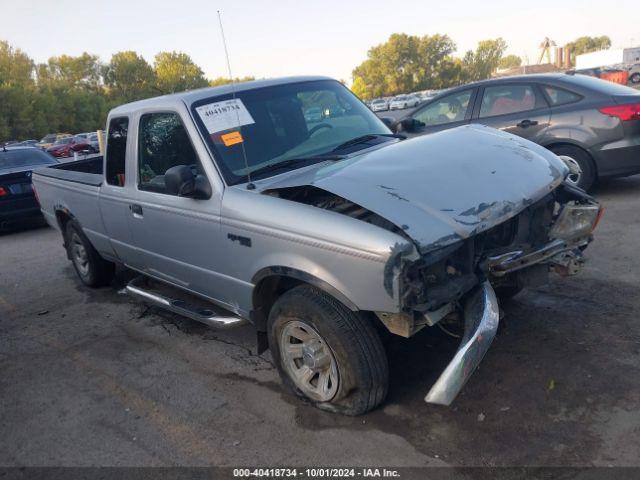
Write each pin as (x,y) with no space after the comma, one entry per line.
(275,38)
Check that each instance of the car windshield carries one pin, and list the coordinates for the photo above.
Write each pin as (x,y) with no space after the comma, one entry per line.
(63,141)
(23,157)
(270,127)
(400,98)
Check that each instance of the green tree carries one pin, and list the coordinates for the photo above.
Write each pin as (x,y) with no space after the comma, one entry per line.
(483,62)
(509,61)
(360,88)
(216,82)
(15,66)
(128,77)
(587,44)
(406,63)
(16,92)
(176,72)
(83,71)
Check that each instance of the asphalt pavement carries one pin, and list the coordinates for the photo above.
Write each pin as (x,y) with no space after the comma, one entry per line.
(93,377)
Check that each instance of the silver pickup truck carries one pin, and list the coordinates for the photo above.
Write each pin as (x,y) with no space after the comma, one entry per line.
(322,230)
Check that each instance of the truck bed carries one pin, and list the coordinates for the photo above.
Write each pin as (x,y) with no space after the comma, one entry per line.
(86,171)
(72,190)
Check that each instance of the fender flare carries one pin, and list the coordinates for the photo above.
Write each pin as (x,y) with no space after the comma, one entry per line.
(305,277)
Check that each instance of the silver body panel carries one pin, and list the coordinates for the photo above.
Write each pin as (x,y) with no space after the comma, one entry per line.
(438,189)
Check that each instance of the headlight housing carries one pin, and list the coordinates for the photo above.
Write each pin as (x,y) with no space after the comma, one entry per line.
(575,221)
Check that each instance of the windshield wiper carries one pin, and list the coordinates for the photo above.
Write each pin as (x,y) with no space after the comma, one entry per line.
(366,138)
(294,161)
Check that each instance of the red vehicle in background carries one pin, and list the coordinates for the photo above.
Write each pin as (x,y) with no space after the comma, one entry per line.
(64,147)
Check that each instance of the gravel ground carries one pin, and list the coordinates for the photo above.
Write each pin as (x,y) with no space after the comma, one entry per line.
(91,377)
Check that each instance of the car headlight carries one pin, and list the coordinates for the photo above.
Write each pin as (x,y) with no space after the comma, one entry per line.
(575,221)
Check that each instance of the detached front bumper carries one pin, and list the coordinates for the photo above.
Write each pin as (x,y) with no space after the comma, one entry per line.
(481,316)
(568,235)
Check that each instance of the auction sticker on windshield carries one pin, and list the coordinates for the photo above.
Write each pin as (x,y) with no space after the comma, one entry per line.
(221,116)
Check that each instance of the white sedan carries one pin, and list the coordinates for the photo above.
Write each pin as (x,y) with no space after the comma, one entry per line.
(379,105)
(404,101)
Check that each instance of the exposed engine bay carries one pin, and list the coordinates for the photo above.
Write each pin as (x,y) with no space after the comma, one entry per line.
(517,253)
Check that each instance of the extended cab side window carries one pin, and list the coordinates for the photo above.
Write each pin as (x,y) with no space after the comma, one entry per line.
(116,150)
(163,143)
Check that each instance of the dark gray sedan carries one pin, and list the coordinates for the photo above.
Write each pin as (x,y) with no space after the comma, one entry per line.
(592,124)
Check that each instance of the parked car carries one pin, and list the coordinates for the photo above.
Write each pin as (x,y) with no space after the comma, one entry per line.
(17,201)
(27,143)
(320,236)
(404,101)
(48,140)
(92,139)
(379,105)
(593,125)
(634,73)
(65,147)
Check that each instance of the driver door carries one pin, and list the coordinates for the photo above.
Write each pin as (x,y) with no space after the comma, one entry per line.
(443,113)
(179,238)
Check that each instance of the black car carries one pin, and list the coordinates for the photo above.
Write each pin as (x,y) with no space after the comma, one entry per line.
(592,124)
(17,200)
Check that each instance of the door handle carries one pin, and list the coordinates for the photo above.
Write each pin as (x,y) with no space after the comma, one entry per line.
(136,210)
(527,123)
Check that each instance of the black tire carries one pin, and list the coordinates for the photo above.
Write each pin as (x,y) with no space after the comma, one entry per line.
(589,174)
(635,78)
(96,272)
(362,366)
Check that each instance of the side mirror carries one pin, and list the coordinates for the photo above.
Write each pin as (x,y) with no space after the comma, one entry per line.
(388,121)
(181,181)
(408,125)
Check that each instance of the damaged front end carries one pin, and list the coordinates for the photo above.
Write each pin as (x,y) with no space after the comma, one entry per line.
(464,277)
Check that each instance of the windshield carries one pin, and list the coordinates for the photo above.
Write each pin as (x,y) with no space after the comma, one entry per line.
(63,141)
(280,123)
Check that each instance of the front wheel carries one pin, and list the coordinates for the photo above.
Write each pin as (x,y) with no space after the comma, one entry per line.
(582,171)
(326,353)
(635,78)
(93,270)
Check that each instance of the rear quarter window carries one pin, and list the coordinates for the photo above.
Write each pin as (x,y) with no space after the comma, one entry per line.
(116,151)
(560,96)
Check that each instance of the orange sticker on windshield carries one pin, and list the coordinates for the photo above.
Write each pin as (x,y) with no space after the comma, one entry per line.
(231,138)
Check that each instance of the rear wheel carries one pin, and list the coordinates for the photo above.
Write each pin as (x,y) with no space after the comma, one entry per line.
(92,269)
(582,169)
(326,353)
(635,78)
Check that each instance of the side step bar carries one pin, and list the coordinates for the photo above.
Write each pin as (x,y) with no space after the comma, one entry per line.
(180,307)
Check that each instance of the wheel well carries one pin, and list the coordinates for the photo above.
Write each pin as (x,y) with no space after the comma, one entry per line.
(265,294)
(573,145)
(63,218)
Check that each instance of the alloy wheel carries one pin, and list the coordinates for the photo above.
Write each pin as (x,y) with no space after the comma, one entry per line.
(309,361)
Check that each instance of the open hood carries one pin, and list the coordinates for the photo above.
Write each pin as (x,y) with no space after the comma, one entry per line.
(442,187)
